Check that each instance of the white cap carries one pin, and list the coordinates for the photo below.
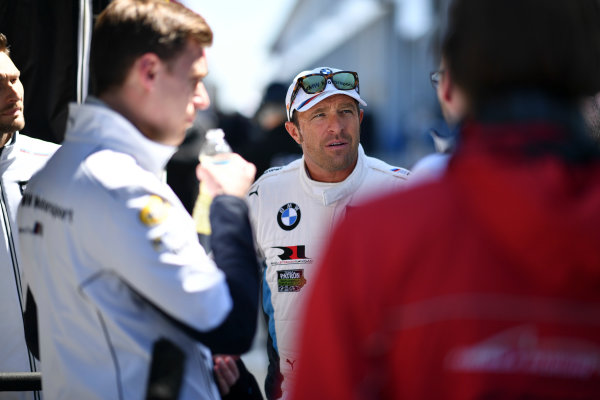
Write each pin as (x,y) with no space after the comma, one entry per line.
(305,101)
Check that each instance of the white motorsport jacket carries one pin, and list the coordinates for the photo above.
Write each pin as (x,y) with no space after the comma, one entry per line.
(293,216)
(114,264)
(20,158)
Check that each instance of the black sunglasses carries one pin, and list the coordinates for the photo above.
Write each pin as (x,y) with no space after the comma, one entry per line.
(316,83)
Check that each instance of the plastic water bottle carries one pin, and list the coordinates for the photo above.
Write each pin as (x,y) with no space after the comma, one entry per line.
(214,144)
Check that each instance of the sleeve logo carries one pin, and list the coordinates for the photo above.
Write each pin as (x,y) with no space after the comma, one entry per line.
(155,211)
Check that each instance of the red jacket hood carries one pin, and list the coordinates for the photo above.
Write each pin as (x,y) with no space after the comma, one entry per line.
(535,204)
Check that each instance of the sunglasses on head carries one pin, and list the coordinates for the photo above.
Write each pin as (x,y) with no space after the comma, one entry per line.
(316,83)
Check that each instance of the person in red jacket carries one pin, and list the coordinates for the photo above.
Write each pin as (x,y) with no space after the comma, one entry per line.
(489,287)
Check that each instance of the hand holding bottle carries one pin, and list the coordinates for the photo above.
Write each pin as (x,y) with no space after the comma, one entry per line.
(220,172)
(226,174)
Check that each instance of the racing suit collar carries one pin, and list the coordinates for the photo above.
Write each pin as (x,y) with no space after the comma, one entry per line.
(328,192)
(95,122)
(8,153)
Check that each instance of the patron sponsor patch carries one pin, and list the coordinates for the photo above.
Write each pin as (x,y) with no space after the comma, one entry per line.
(290,280)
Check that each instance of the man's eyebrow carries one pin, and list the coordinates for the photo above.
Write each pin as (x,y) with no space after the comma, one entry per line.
(316,110)
(9,75)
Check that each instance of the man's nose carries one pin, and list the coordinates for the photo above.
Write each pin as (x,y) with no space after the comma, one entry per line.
(201,99)
(334,123)
(12,92)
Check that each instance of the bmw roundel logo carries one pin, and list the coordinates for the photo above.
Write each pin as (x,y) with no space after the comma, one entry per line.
(288,216)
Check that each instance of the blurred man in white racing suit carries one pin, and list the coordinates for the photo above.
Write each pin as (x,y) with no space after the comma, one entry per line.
(126,296)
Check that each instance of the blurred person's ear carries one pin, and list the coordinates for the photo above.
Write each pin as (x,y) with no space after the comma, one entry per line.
(146,69)
(453,99)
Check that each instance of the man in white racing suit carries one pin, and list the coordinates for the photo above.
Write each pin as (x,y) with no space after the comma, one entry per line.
(20,157)
(125,293)
(294,208)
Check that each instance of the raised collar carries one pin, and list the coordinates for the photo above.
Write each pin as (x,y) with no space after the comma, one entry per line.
(8,153)
(329,193)
(95,123)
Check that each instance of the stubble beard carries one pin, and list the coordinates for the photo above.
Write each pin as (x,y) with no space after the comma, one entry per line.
(338,164)
(344,163)
(12,127)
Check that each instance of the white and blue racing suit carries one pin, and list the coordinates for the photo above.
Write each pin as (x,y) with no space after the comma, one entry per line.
(292,216)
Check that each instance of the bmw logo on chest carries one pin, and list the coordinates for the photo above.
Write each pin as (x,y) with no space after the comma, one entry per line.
(288,216)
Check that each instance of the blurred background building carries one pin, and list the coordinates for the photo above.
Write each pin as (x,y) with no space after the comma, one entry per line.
(392,44)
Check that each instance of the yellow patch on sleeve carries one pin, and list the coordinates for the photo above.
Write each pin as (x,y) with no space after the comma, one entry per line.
(155,211)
